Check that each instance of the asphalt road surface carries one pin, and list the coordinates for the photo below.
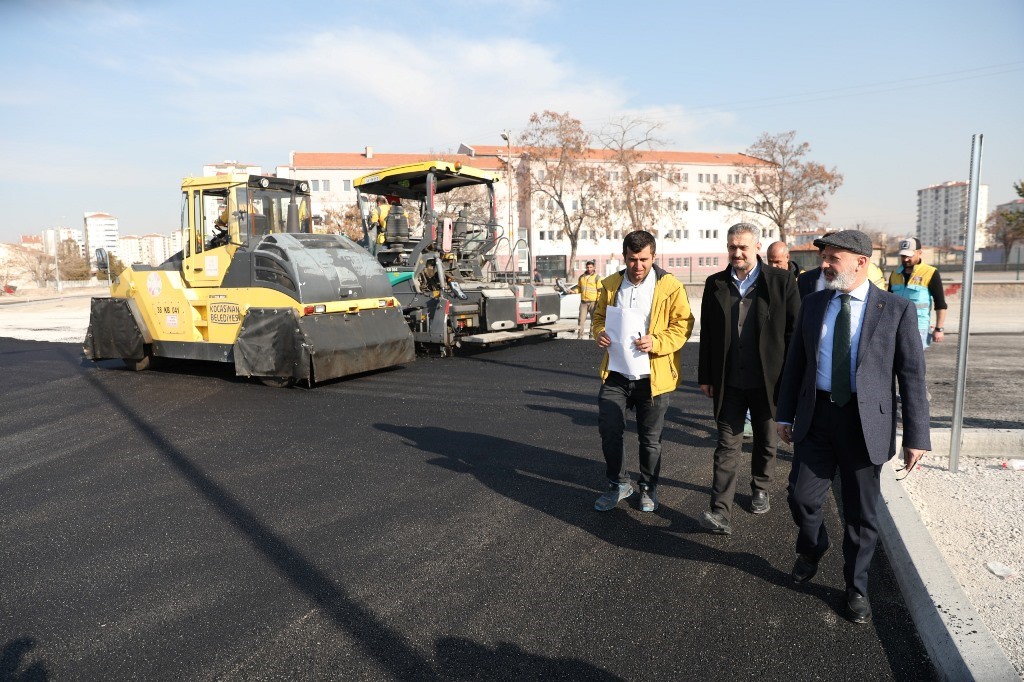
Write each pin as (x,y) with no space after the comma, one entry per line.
(429,522)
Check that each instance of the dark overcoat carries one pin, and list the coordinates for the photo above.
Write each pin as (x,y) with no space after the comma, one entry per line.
(777,307)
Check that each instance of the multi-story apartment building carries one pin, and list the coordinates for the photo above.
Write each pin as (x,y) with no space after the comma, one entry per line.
(59,235)
(942,212)
(149,249)
(691,227)
(101,232)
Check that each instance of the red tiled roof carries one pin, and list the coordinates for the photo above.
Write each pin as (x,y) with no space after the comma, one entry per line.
(644,156)
(358,160)
(489,157)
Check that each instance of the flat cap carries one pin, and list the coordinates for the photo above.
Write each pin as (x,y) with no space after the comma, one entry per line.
(854,241)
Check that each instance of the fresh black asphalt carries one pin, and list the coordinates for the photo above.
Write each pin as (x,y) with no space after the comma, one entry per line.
(429,522)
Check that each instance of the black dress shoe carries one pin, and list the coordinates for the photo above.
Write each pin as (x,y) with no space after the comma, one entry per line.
(858,610)
(716,523)
(759,503)
(805,567)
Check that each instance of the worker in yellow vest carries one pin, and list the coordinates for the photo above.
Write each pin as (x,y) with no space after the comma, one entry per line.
(587,286)
(921,284)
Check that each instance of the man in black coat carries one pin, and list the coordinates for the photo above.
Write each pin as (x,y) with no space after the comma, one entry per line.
(807,282)
(837,404)
(747,316)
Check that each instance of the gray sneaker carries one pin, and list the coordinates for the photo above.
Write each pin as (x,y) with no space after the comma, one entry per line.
(611,497)
(648,498)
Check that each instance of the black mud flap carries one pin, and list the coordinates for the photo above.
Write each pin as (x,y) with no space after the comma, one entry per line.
(113,332)
(344,344)
(271,344)
(276,342)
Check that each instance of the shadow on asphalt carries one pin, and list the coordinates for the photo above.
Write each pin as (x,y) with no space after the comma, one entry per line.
(544,480)
(455,657)
(17,663)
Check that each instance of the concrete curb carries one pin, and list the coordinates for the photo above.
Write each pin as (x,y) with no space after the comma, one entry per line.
(960,644)
(1004,443)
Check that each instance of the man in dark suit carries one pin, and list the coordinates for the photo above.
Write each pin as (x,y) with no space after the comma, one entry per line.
(747,315)
(807,282)
(837,404)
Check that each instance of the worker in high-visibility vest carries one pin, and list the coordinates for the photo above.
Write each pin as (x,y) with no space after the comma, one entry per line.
(587,286)
(922,284)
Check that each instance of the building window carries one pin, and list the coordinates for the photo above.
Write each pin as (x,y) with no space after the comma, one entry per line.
(700,177)
(700,261)
(715,176)
(327,185)
(347,184)
(541,235)
(686,177)
(686,234)
(316,185)
(716,260)
(686,262)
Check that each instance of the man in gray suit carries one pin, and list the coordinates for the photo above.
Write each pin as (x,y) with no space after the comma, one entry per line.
(837,403)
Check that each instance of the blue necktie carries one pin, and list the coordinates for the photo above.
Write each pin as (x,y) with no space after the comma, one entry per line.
(841,354)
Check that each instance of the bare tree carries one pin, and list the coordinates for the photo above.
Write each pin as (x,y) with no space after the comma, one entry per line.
(346,221)
(32,265)
(555,148)
(779,184)
(1007,227)
(635,184)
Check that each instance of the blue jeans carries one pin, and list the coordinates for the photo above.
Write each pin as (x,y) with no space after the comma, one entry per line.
(618,395)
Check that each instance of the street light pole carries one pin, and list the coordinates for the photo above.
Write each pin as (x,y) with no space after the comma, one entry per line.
(507,136)
(56,259)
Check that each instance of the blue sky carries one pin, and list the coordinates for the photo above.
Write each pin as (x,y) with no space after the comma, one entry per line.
(105,106)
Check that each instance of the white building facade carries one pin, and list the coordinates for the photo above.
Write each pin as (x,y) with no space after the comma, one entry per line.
(101,232)
(691,227)
(58,235)
(942,213)
(150,249)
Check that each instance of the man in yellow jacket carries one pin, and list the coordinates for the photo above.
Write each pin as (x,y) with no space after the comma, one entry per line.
(587,286)
(641,366)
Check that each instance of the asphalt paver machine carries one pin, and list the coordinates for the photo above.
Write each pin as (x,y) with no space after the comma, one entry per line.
(253,286)
(448,278)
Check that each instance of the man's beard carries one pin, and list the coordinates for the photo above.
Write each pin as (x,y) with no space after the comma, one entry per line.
(843,281)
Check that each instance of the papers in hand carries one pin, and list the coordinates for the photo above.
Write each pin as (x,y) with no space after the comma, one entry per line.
(624,326)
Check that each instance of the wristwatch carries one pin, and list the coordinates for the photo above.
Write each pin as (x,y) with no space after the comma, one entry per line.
(938,329)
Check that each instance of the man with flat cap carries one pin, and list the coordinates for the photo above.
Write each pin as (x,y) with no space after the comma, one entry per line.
(837,405)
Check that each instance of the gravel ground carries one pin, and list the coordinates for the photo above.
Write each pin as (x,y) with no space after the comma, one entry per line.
(973,519)
(973,515)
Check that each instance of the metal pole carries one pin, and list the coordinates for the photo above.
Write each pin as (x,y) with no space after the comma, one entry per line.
(56,259)
(965,306)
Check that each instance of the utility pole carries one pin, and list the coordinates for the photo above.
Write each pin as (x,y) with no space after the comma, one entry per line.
(56,260)
(507,136)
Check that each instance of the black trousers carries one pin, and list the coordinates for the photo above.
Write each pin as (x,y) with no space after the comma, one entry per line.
(836,442)
(618,395)
(729,452)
